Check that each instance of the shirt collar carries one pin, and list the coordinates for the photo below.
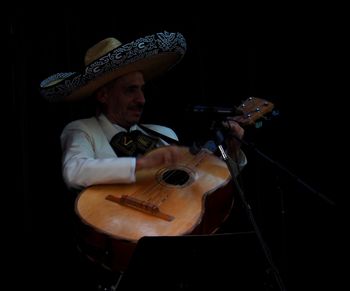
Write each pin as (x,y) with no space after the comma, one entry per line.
(110,129)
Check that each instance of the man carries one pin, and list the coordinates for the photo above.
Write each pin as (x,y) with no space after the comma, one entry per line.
(112,147)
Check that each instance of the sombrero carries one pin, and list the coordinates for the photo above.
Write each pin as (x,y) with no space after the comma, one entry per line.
(110,59)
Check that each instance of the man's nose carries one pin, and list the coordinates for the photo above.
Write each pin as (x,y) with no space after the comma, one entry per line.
(141,97)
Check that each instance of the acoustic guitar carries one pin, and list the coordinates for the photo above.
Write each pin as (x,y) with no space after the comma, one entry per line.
(193,197)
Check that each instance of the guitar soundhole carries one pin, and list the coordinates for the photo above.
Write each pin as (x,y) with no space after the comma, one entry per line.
(177,177)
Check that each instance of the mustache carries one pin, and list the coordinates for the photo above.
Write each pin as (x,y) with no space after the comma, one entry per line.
(136,107)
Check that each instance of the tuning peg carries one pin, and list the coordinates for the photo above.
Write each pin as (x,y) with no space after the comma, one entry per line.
(275,113)
(258,124)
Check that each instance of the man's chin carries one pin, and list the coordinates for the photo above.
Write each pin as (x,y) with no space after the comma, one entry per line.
(135,120)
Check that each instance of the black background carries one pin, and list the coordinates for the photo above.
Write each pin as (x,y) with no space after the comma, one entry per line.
(292,61)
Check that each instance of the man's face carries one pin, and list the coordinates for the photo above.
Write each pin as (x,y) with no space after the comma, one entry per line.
(123,99)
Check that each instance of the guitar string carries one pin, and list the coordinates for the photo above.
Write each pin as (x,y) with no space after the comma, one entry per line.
(247,111)
(154,194)
(159,199)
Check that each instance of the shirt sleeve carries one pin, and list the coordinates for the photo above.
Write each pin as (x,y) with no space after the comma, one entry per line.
(81,168)
(242,160)
(238,164)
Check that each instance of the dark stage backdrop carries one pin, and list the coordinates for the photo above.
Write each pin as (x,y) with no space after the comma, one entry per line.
(226,62)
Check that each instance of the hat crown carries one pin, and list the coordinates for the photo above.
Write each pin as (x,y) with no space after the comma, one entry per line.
(101,48)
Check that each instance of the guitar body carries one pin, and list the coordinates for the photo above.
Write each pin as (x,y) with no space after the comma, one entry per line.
(193,197)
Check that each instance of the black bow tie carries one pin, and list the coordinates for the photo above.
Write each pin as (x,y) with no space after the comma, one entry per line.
(132,144)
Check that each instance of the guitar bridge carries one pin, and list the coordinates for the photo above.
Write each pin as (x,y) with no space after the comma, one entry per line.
(140,205)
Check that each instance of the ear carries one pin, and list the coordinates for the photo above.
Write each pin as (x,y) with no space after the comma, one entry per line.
(101,95)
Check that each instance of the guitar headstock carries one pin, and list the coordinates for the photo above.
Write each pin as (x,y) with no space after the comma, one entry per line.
(252,109)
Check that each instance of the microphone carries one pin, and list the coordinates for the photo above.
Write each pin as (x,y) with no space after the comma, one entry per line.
(212,109)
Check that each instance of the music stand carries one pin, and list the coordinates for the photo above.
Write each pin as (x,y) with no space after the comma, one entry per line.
(231,261)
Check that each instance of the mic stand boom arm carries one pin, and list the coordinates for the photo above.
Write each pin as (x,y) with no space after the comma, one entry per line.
(284,169)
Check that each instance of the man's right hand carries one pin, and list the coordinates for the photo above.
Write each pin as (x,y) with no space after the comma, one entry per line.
(163,156)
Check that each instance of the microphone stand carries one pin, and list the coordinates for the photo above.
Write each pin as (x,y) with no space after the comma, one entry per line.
(219,138)
(231,166)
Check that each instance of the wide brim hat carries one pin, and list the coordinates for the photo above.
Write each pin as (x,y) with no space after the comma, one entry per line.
(109,59)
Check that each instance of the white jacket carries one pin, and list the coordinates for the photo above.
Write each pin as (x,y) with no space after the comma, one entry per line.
(88,158)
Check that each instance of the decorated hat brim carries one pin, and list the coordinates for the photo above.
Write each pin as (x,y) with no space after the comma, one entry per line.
(152,55)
